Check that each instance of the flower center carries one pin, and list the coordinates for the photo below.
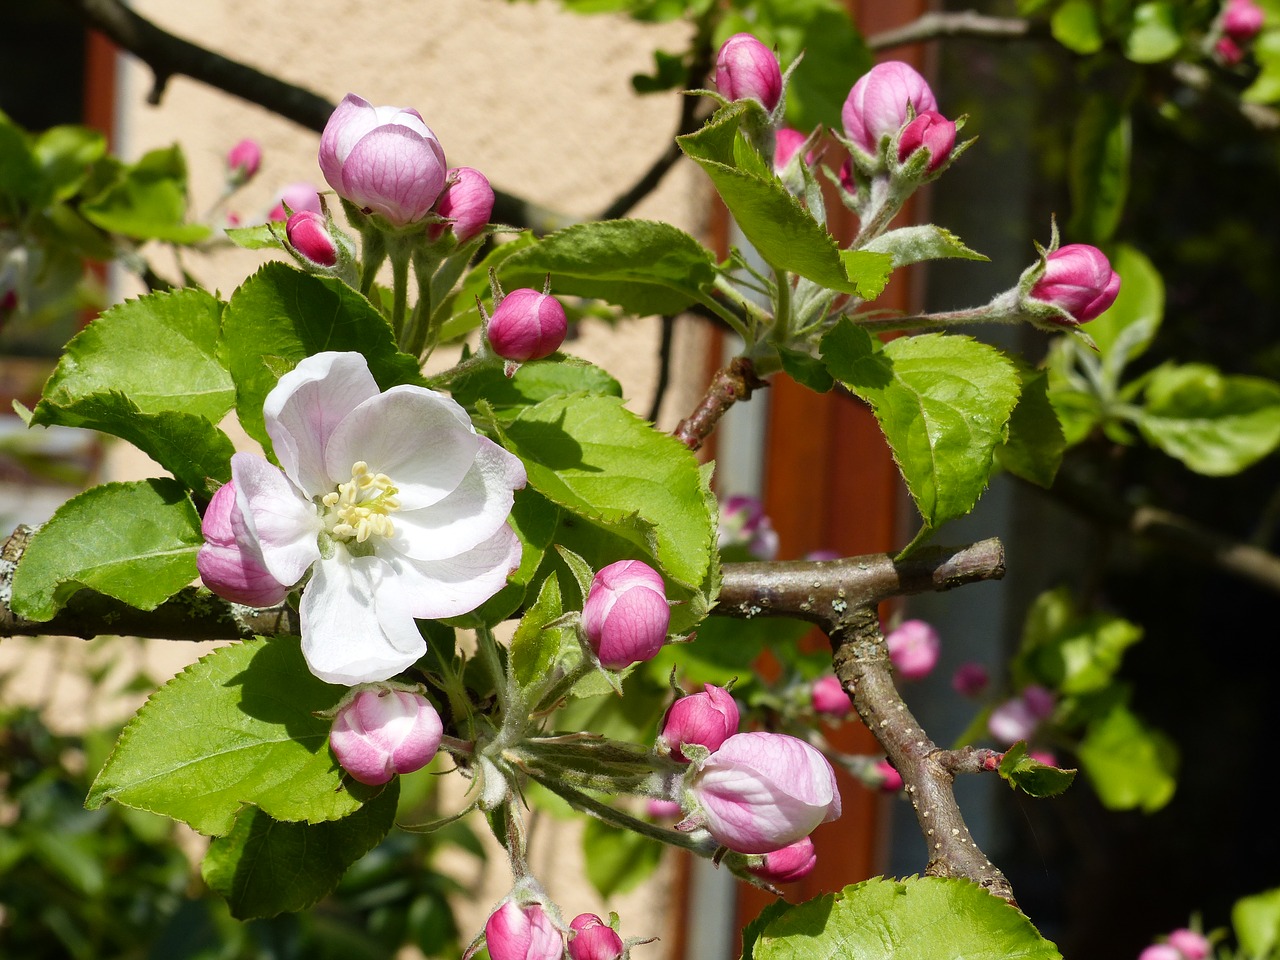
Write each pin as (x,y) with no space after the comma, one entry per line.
(359,508)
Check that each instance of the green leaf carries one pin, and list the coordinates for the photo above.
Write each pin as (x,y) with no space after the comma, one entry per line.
(943,402)
(668,74)
(617,860)
(160,351)
(1257,923)
(1036,441)
(642,266)
(1099,168)
(136,542)
(777,224)
(1072,652)
(593,457)
(1032,777)
(238,728)
(280,316)
(751,932)
(806,369)
(1155,34)
(533,383)
(1125,330)
(264,867)
(1075,26)
(1266,87)
(148,201)
(1129,764)
(66,153)
(533,647)
(919,918)
(20,175)
(723,649)
(1215,424)
(258,237)
(915,244)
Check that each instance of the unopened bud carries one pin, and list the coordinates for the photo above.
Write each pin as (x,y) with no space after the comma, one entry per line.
(513,932)
(744,524)
(890,778)
(913,649)
(970,679)
(381,731)
(1242,20)
(308,234)
(625,617)
(793,862)
(593,939)
(707,719)
(295,196)
(1078,279)
(881,103)
(929,131)
(747,70)
(243,161)
(527,325)
(1019,718)
(467,201)
(1192,945)
(829,697)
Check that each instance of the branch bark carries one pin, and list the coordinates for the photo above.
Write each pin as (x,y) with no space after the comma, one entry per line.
(964,23)
(735,382)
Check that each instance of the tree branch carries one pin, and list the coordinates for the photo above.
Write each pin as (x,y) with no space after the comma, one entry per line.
(735,382)
(965,23)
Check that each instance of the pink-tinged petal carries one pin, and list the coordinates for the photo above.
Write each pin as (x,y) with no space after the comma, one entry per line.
(457,585)
(351,120)
(305,407)
(276,516)
(386,431)
(471,514)
(791,863)
(396,172)
(356,627)
(238,576)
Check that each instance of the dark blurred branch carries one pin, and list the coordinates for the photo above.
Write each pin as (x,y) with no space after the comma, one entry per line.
(965,23)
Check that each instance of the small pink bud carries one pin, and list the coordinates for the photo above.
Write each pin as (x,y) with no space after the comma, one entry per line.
(513,932)
(708,719)
(662,809)
(829,697)
(298,197)
(230,562)
(1192,945)
(593,939)
(243,161)
(1242,20)
(626,614)
(743,523)
(747,70)
(1019,718)
(913,649)
(467,201)
(791,863)
(308,233)
(1160,951)
(970,679)
(786,143)
(929,131)
(1078,279)
(1228,51)
(379,732)
(527,325)
(877,105)
(890,778)
(847,183)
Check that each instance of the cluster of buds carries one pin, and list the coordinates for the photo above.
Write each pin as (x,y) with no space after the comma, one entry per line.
(1238,24)
(521,928)
(1182,944)
(892,126)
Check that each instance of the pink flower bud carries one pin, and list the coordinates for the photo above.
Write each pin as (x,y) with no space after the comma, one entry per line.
(847,183)
(593,939)
(385,160)
(913,649)
(308,234)
(786,142)
(297,196)
(379,732)
(1160,951)
(877,105)
(791,863)
(527,325)
(230,562)
(1228,51)
(662,809)
(626,614)
(1078,279)
(970,679)
(1019,718)
(467,201)
(243,161)
(829,697)
(743,523)
(1192,945)
(1242,20)
(1043,756)
(762,791)
(513,932)
(890,778)
(930,131)
(709,719)
(747,70)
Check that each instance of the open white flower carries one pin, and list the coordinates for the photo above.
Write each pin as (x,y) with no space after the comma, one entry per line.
(393,502)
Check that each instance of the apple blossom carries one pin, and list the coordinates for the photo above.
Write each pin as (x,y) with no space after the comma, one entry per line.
(513,932)
(385,160)
(1192,945)
(929,131)
(593,939)
(882,101)
(829,697)
(391,500)
(1161,951)
(793,862)
(1019,718)
(913,649)
(743,523)
(1079,280)
(379,732)
(970,679)
(296,197)
(308,234)
(707,719)
(467,200)
(748,70)
(625,616)
(1242,20)
(243,161)
(230,562)
(762,791)
(526,325)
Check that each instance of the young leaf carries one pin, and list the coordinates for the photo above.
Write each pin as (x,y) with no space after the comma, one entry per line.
(1257,923)
(1099,168)
(1069,651)
(238,728)
(1036,442)
(1125,330)
(1156,34)
(617,860)
(533,383)
(1032,777)
(135,541)
(533,647)
(1129,764)
(915,244)
(264,867)
(1075,26)
(148,201)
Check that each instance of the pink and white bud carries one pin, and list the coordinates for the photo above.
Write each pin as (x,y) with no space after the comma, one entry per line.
(1078,279)
(593,939)
(379,732)
(929,131)
(793,862)
(913,649)
(527,325)
(1242,20)
(626,615)
(743,523)
(513,932)
(829,697)
(881,103)
(230,562)
(970,679)
(763,791)
(308,234)
(297,197)
(748,70)
(467,201)
(1161,951)
(786,144)
(385,160)
(890,780)
(707,719)
(1192,945)
(1019,718)
(243,161)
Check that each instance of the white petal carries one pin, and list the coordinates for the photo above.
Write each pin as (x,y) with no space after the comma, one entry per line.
(284,523)
(356,623)
(305,407)
(479,505)
(457,585)
(419,438)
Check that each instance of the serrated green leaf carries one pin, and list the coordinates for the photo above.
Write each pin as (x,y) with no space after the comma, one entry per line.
(617,860)
(1215,424)
(1256,920)
(915,244)
(533,383)
(806,369)
(135,541)
(238,728)
(751,932)
(160,351)
(1099,173)
(259,237)
(919,918)
(642,266)
(264,867)
(943,402)
(533,647)
(1032,777)
(148,201)
(281,315)
(1075,26)
(1129,764)
(1036,441)
(65,153)
(1155,34)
